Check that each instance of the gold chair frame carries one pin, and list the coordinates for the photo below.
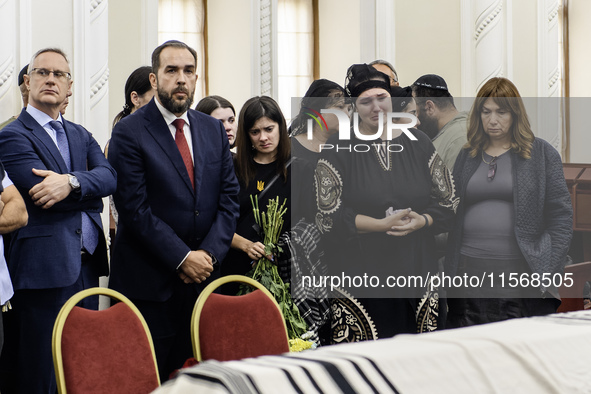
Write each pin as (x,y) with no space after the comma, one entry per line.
(61,320)
(196,317)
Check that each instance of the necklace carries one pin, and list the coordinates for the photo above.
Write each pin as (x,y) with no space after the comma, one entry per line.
(492,166)
(492,160)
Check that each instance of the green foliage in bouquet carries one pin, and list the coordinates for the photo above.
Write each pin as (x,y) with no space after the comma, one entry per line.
(265,272)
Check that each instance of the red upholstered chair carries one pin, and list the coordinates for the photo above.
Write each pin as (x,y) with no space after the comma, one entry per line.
(108,351)
(234,327)
(572,296)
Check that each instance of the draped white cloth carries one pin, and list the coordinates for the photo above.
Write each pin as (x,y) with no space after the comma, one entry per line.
(530,355)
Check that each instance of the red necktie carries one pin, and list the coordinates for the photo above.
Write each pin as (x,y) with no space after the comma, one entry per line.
(181,143)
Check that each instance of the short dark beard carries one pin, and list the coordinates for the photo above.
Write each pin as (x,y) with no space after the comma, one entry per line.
(175,106)
(429,126)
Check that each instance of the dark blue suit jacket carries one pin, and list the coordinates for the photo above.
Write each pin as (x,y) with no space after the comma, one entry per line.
(161,217)
(46,252)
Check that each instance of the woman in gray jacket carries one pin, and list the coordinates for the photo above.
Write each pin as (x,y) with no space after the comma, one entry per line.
(514,222)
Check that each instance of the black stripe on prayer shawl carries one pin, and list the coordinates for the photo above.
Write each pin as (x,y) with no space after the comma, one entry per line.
(207,378)
(292,381)
(381,374)
(335,374)
(290,378)
(358,368)
(253,383)
(219,381)
(309,375)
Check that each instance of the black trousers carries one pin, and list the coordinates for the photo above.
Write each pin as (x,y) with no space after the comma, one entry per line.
(170,327)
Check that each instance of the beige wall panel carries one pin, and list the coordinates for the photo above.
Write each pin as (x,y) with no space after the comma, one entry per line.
(229,47)
(125,52)
(339,37)
(428,41)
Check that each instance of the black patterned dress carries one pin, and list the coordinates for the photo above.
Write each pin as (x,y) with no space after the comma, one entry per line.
(396,174)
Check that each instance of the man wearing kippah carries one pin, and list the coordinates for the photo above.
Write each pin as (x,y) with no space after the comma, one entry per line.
(439,118)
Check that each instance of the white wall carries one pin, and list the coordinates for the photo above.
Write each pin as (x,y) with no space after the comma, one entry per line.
(229,50)
(580,76)
(339,33)
(428,41)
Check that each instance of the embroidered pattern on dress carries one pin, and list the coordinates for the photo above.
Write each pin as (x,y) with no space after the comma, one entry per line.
(329,189)
(383,155)
(427,312)
(350,321)
(443,188)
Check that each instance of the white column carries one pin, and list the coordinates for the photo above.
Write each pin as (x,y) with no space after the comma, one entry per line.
(367,23)
(378,32)
(9,66)
(549,73)
(264,49)
(486,42)
(149,29)
(385,31)
(90,67)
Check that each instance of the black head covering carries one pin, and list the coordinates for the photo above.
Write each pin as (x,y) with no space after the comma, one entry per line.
(400,97)
(431,81)
(23,72)
(320,94)
(361,77)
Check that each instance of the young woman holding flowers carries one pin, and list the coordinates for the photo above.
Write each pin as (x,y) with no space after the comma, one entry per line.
(263,167)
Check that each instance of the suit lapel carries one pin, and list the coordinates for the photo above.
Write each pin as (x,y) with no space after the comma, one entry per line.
(41,135)
(159,130)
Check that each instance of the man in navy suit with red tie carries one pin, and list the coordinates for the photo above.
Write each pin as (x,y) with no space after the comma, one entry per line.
(177,198)
(62,175)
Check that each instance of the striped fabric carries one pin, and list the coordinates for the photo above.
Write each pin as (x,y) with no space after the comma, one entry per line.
(307,372)
(530,355)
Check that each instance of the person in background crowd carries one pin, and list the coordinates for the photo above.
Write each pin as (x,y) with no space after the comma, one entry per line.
(515,214)
(138,92)
(177,198)
(24,95)
(403,101)
(62,175)
(383,207)
(440,119)
(221,109)
(388,69)
(322,94)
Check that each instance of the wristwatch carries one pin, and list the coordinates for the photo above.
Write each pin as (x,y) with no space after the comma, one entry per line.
(73,181)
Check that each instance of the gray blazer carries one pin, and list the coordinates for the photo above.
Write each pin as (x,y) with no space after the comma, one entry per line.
(543,210)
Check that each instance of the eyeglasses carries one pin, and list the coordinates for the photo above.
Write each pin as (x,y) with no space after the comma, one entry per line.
(492,168)
(45,73)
